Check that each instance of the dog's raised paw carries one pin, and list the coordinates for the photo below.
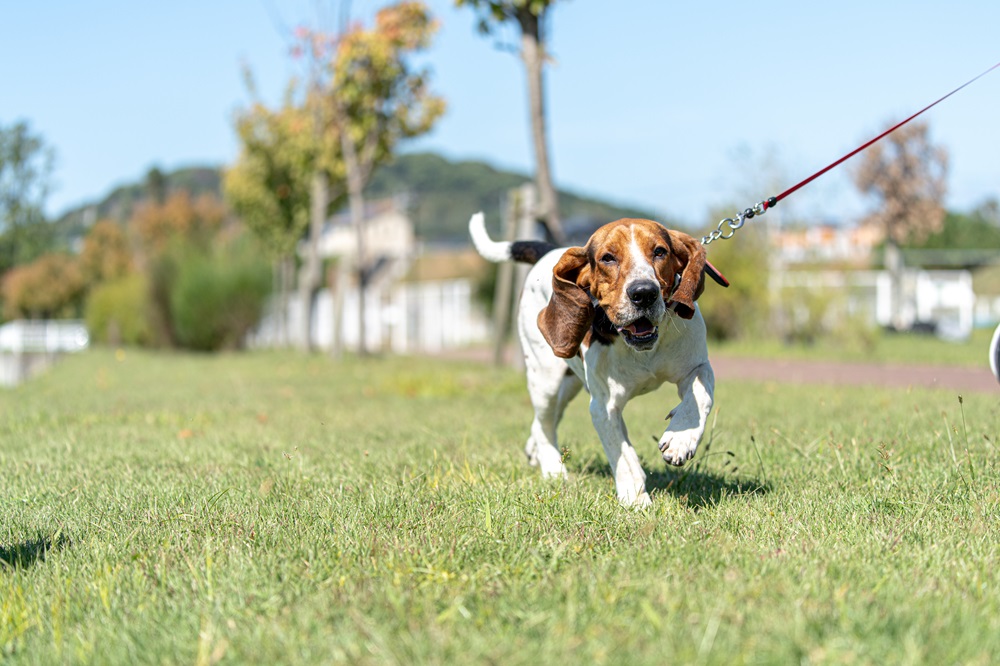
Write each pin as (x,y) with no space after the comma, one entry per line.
(677,448)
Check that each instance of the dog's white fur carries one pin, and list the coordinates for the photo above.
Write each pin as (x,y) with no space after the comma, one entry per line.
(615,372)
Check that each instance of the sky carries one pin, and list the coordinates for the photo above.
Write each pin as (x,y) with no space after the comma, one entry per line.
(677,108)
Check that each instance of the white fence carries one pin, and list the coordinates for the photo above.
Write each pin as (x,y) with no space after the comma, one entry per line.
(421,317)
(943,298)
(64,335)
(28,347)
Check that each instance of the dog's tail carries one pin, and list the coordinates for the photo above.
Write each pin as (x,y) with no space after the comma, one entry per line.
(527,252)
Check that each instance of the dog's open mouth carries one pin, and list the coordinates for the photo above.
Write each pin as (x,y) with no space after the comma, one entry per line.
(640,334)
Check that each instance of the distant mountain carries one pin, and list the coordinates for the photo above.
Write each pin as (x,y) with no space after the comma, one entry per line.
(441,195)
(119,204)
(446,193)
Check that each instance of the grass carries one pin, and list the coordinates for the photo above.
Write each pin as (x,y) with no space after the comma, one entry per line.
(881,347)
(273,508)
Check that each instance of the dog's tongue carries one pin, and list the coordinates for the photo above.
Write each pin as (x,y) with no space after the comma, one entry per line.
(641,327)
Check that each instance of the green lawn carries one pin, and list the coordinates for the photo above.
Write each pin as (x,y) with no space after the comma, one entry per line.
(272,508)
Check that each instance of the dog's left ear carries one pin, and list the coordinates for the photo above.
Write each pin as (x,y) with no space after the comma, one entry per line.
(566,319)
(690,257)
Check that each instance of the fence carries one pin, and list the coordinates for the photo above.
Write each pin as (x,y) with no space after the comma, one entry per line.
(942,298)
(29,347)
(421,317)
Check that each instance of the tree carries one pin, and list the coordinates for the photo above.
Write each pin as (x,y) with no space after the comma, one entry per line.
(530,17)
(50,286)
(978,229)
(374,99)
(164,236)
(25,165)
(905,174)
(270,186)
(106,254)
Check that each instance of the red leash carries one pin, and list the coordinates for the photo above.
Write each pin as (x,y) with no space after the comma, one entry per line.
(734,223)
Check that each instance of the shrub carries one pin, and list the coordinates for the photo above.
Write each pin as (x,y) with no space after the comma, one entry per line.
(743,309)
(217,297)
(50,286)
(117,312)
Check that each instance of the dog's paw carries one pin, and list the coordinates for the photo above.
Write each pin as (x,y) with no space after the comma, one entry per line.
(678,447)
(636,501)
(634,498)
(531,451)
(550,463)
(555,472)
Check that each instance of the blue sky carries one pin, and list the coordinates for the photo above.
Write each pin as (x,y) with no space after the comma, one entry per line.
(674,107)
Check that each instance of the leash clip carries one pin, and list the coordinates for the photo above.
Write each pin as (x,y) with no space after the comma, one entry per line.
(735,223)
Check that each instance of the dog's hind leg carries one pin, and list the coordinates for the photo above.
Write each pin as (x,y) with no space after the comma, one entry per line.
(568,389)
(551,389)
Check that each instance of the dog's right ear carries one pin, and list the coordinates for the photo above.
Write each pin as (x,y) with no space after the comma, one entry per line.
(568,316)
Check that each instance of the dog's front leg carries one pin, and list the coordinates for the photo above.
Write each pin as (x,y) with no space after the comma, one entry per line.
(688,419)
(630,479)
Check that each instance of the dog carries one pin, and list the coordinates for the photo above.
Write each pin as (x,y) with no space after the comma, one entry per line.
(618,317)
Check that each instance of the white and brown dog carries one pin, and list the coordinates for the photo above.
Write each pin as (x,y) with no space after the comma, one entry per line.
(620,315)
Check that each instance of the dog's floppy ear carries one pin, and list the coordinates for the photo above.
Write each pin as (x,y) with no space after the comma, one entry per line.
(690,256)
(570,313)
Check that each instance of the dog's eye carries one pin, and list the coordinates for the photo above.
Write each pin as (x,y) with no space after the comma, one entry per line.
(608,258)
(660,252)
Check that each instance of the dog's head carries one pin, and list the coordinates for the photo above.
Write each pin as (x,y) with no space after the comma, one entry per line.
(630,270)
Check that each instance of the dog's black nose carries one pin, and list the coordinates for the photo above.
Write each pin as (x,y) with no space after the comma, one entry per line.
(643,294)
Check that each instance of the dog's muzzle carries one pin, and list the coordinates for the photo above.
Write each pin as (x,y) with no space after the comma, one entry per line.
(646,305)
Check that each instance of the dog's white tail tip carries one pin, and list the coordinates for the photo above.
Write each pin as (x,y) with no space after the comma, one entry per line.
(490,249)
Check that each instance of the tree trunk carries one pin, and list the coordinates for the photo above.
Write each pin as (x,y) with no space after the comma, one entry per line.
(894,265)
(309,276)
(533,54)
(356,202)
(283,268)
(340,280)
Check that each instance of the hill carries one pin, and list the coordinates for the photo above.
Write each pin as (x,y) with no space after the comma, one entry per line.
(446,193)
(442,195)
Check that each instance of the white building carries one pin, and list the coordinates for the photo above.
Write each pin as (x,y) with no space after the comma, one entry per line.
(402,314)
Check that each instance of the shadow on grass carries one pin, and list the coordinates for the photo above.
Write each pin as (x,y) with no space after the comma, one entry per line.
(27,553)
(696,486)
(703,488)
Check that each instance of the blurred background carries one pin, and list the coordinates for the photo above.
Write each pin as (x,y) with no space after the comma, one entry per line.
(257,174)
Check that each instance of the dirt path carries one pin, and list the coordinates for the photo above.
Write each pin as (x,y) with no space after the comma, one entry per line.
(960,380)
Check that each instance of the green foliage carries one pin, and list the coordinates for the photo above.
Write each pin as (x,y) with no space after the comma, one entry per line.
(263,508)
(165,235)
(742,309)
(269,186)
(810,316)
(978,229)
(377,95)
(25,165)
(494,12)
(106,253)
(216,298)
(117,312)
